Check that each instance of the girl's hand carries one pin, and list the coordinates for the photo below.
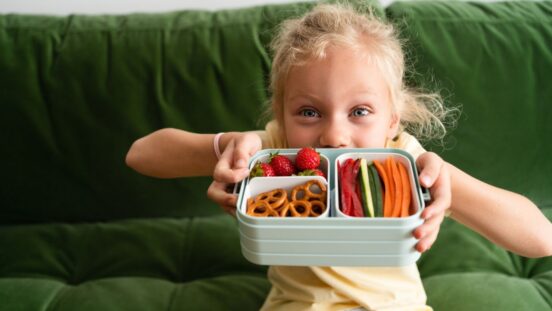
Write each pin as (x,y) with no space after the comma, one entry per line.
(435,176)
(232,168)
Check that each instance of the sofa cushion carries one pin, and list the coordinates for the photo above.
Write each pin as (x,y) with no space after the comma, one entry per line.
(141,264)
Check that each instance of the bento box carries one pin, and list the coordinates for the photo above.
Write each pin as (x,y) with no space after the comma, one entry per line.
(329,237)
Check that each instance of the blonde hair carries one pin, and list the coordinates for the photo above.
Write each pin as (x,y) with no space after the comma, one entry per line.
(308,37)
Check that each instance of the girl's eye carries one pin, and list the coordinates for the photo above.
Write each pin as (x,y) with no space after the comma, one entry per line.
(309,113)
(360,112)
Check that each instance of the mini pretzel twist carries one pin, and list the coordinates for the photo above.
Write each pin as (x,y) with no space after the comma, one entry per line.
(300,208)
(317,208)
(276,198)
(306,193)
(304,202)
(261,208)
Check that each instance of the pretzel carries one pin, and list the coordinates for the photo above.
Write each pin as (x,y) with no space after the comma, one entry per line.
(304,202)
(300,208)
(317,208)
(261,208)
(276,198)
(307,194)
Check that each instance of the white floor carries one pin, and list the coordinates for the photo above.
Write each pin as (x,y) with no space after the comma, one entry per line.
(64,7)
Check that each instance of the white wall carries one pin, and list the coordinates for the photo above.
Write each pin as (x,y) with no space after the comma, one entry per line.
(63,7)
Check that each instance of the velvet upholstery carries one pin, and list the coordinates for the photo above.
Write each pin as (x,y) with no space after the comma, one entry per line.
(81,231)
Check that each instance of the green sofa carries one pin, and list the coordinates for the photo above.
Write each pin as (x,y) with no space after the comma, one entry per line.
(79,230)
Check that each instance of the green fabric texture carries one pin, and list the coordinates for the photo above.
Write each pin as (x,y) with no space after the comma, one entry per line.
(78,229)
(81,231)
(493,60)
(146,264)
(78,90)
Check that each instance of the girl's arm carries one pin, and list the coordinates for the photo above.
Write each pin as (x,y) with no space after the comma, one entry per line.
(508,219)
(171,153)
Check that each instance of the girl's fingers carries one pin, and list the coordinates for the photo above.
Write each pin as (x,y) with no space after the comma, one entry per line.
(217,193)
(430,165)
(224,170)
(429,226)
(245,148)
(240,157)
(426,242)
(434,174)
(232,168)
(440,193)
(441,202)
(427,233)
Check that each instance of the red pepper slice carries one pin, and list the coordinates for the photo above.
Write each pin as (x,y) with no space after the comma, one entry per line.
(350,200)
(346,189)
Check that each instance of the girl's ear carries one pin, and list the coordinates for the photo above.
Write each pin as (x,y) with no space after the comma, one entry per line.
(394,126)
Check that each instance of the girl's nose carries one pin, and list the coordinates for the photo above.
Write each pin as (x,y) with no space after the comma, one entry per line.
(334,136)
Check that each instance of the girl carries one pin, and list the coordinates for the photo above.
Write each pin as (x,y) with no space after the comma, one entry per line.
(337,81)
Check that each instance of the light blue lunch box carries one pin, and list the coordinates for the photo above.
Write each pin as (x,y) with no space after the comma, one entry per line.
(333,238)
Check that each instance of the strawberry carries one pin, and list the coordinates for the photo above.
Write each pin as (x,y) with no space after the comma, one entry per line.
(307,159)
(262,170)
(314,172)
(282,165)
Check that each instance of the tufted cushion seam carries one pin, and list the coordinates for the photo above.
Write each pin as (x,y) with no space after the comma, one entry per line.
(54,302)
(517,265)
(543,292)
(172,297)
(143,275)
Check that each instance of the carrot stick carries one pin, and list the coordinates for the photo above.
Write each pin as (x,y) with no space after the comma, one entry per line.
(406,191)
(398,188)
(392,187)
(386,188)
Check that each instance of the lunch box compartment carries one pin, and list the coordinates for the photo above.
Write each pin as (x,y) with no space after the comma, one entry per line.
(415,193)
(332,239)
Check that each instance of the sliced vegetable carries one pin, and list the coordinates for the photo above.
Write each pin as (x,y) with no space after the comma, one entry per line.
(357,204)
(397,205)
(346,191)
(350,203)
(392,186)
(358,195)
(377,193)
(366,189)
(406,195)
(386,188)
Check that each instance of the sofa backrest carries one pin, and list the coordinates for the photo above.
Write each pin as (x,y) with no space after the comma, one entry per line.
(76,91)
(494,60)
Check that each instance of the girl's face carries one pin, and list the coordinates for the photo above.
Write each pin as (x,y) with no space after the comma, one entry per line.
(336,102)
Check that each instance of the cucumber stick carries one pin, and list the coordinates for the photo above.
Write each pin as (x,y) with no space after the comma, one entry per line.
(377,193)
(365,189)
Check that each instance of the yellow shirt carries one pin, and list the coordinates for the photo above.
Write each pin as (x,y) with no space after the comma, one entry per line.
(343,288)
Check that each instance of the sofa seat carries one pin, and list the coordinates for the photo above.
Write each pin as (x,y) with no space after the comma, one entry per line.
(141,264)
(169,264)
(464,271)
